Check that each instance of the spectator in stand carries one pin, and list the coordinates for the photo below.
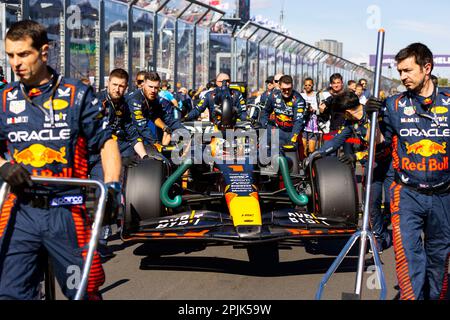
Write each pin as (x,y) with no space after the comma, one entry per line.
(351,85)
(332,112)
(311,131)
(366,91)
(359,92)
(140,79)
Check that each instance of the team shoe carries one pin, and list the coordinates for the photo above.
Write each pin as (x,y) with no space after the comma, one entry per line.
(105,252)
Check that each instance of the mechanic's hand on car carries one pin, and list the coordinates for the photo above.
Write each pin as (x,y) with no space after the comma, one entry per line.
(15,175)
(348,159)
(309,160)
(113,202)
(373,105)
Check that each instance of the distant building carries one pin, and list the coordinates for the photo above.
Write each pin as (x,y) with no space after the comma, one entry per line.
(331,46)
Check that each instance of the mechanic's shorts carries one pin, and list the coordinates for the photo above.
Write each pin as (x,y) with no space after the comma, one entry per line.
(310,136)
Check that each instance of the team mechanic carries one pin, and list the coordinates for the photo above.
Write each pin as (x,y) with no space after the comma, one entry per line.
(145,106)
(417,123)
(209,101)
(50,124)
(118,117)
(357,124)
(285,110)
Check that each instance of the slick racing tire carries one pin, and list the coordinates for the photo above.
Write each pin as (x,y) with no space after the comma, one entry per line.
(334,190)
(142,189)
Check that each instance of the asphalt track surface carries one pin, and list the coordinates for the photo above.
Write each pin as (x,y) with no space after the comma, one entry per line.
(138,272)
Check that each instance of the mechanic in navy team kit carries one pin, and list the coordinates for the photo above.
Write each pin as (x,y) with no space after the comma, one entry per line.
(118,116)
(416,122)
(208,102)
(50,124)
(284,110)
(145,106)
(357,124)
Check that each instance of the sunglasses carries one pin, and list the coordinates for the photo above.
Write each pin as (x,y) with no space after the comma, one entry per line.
(139,81)
(276,81)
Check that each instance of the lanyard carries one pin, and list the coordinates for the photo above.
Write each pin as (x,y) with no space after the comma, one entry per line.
(433,118)
(51,116)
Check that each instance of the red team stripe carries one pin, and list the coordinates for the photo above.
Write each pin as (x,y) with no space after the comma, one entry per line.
(6,212)
(445,283)
(83,230)
(5,92)
(402,268)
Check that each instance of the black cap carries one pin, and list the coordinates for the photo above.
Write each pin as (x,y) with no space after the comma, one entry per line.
(270,79)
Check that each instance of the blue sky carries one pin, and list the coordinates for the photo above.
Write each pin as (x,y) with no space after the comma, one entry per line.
(348,21)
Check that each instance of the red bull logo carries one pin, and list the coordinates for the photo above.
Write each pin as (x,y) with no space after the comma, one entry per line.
(423,166)
(426,148)
(38,156)
(284,120)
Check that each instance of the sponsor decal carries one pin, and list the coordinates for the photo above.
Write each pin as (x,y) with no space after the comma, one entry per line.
(430,133)
(446,102)
(58,117)
(192,220)
(409,111)
(17,107)
(439,110)
(12,95)
(425,166)
(43,135)
(409,120)
(35,92)
(58,104)
(303,218)
(402,104)
(64,93)
(426,148)
(67,201)
(17,120)
(38,156)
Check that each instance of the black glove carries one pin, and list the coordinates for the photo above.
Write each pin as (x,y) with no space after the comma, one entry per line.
(309,160)
(373,105)
(16,175)
(167,130)
(348,159)
(113,202)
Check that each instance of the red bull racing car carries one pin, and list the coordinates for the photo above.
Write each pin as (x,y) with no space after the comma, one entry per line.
(247,204)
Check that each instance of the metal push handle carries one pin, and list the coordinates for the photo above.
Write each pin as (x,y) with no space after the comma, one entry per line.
(96,227)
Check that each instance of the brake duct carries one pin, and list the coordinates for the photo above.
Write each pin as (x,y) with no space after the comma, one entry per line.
(298,199)
(164,194)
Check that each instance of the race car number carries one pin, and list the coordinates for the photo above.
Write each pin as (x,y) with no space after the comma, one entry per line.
(185,220)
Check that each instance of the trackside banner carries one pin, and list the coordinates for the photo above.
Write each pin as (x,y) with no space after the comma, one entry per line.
(440,60)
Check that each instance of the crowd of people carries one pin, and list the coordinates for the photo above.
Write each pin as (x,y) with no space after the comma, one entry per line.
(55,126)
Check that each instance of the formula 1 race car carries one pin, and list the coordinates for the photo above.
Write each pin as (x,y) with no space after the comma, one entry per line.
(252,205)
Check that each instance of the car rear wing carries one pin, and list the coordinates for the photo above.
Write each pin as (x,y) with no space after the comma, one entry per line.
(96,226)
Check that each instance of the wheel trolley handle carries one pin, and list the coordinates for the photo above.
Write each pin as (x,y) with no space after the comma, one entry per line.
(96,227)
